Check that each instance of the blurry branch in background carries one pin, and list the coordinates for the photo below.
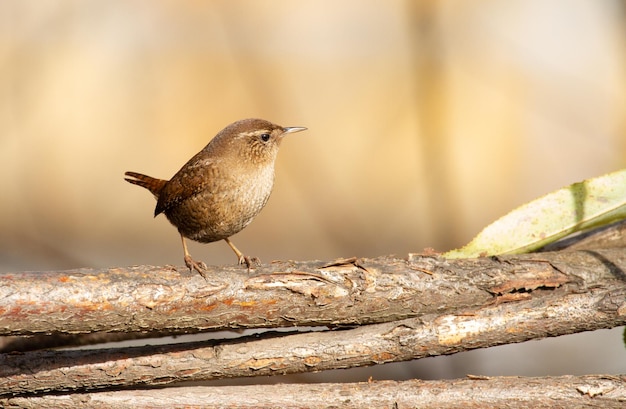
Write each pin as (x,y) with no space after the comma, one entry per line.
(430,63)
(418,307)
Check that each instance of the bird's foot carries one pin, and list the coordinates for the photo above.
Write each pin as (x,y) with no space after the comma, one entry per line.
(249,261)
(199,266)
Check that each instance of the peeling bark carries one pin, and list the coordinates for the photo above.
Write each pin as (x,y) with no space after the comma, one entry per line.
(285,294)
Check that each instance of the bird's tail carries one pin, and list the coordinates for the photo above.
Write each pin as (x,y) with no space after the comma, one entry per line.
(154,185)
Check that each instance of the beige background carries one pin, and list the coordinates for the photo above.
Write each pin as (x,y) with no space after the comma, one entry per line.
(427,120)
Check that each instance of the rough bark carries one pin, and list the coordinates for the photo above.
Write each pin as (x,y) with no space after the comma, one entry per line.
(569,392)
(417,307)
(540,314)
(285,294)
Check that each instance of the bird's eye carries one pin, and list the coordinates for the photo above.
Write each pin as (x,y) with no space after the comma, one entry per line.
(265,137)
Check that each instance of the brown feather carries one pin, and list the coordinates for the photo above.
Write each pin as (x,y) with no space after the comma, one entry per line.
(154,185)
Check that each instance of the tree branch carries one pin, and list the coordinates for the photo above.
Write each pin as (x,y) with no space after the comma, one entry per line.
(541,314)
(591,391)
(418,307)
(285,294)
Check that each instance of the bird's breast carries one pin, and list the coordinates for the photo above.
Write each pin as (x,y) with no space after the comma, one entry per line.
(253,193)
(213,215)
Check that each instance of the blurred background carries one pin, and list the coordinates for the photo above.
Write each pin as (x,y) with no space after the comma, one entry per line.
(427,121)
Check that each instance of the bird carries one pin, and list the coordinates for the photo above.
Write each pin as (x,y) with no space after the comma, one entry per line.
(221,189)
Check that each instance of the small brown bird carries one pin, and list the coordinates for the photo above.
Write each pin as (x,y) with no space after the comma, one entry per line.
(222,188)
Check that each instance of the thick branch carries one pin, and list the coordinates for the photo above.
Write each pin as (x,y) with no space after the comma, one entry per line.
(541,314)
(511,392)
(284,294)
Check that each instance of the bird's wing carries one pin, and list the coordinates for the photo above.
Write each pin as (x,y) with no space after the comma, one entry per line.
(199,174)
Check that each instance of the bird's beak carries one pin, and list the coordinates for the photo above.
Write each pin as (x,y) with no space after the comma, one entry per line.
(293,129)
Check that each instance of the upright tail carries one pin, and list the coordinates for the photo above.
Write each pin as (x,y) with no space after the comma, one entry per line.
(152,184)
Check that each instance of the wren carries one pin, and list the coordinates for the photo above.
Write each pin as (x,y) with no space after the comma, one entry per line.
(222,188)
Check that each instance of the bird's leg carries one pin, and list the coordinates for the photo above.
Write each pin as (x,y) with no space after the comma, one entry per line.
(241,259)
(200,267)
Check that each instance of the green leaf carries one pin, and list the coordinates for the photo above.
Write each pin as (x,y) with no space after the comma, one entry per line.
(590,203)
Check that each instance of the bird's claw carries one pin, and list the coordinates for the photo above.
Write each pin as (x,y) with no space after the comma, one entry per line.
(249,261)
(199,266)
